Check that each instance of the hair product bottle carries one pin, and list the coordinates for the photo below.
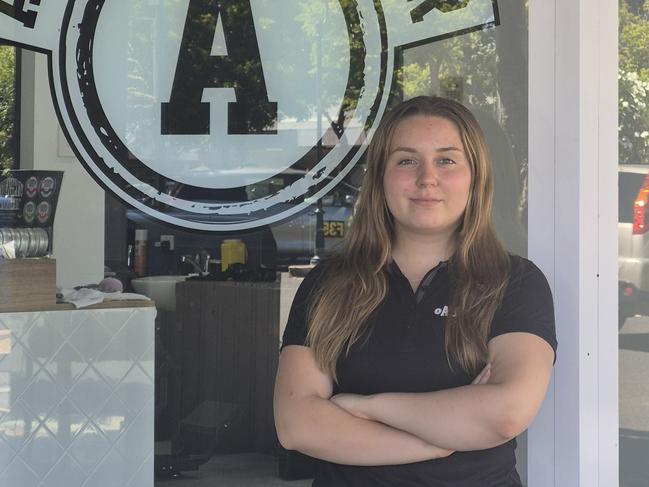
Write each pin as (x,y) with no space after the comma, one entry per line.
(140,252)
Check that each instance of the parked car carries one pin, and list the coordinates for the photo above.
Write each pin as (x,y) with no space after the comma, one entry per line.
(633,240)
(277,246)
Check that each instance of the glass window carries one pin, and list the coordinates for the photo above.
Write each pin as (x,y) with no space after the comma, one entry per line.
(487,71)
(228,143)
(633,261)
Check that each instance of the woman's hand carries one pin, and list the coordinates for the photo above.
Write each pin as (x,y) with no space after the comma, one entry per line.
(445,453)
(352,403)
(483,376)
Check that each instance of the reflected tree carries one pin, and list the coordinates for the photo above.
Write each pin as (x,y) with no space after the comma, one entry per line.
(634,81)
(470,68)
(7,107)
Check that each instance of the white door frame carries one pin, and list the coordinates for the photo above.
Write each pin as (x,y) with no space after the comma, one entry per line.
(573,107)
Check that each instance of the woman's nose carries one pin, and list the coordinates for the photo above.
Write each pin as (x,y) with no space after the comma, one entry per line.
(427,175)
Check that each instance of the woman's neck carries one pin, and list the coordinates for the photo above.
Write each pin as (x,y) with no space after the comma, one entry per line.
(416,256)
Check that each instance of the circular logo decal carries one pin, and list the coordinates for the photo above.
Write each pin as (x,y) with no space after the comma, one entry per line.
(47,187)
(227,115)
(29,211)
(31,187)
(43,212)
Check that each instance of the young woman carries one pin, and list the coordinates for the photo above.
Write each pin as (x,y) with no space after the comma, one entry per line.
(418,353)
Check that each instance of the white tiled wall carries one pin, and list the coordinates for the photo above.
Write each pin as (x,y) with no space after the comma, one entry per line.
(76,398)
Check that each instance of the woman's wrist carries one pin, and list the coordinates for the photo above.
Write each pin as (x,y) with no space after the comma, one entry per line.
(355,404)
(367,406)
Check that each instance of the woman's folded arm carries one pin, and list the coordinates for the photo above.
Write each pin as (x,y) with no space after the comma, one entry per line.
(307,421)
(476,416)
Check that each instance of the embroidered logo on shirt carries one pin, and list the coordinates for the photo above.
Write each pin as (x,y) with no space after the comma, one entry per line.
(441,311)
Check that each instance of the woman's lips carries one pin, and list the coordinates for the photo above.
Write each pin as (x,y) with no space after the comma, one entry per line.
(426,201)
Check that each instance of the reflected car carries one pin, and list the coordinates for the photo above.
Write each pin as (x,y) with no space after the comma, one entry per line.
(633,241)
(296,238)
(279,245)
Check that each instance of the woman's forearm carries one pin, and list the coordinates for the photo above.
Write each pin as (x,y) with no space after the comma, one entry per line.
(495,408)
(319,428)
(465,418)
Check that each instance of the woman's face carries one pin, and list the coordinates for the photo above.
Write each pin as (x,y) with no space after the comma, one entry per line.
(427,177)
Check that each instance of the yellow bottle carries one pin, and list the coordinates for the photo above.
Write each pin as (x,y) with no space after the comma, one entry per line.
(233,251)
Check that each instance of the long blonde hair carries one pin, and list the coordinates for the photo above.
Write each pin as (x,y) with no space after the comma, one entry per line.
(353,283)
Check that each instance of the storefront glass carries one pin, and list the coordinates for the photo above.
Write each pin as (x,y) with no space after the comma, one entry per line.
(632,238)
(204,122)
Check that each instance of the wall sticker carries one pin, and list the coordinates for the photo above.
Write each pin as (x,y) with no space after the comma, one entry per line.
(231,114)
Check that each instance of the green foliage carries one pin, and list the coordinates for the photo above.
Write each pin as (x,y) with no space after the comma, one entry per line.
(633,118)
(634,81)
(465,66)
(415,80)
(7,106)
(634,38)
(468,68)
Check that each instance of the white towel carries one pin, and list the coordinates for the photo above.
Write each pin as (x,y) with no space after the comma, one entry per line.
(87,297)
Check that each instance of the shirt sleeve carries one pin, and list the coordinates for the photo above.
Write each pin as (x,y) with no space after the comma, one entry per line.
(297,326)
(527,305)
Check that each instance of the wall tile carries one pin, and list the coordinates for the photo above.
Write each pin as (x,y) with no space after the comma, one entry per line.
(77,399)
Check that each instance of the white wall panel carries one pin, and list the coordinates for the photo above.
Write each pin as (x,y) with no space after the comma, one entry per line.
(572,228)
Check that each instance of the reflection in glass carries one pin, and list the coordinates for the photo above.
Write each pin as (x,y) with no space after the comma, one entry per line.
(216,75)
(214,348)
(633,243)
(5,342)
(487,71)
(5,393)
(8,132)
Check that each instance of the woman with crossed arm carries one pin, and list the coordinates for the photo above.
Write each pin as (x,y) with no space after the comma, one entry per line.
(416,354)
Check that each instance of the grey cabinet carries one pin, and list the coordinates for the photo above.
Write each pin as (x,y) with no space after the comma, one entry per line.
(223,346)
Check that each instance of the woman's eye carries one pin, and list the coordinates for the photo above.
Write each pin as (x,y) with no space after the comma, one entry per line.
(446,161)
(406,162)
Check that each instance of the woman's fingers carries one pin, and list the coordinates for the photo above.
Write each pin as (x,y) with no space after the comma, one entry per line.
(483,376)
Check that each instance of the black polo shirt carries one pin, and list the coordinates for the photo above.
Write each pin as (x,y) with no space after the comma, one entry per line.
(405,353)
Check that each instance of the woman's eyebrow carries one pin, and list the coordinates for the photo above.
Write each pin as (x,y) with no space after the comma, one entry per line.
(449,149)
(414,151)
(403,149)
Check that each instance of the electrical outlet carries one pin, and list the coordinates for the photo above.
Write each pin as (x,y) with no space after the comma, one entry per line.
(168,238)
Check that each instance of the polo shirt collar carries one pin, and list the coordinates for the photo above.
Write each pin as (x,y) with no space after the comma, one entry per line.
(393,269)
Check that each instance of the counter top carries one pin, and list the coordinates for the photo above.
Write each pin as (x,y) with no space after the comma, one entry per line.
(140,303)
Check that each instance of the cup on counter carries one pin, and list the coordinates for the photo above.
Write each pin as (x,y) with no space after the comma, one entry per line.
(233,251)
